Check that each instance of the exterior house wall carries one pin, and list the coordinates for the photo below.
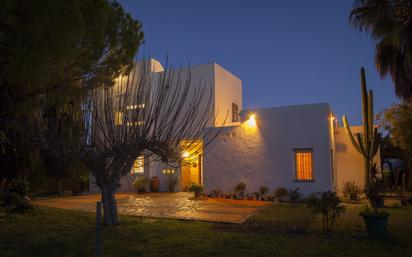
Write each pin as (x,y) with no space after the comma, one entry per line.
(228,90)
(350,163)
(265,155)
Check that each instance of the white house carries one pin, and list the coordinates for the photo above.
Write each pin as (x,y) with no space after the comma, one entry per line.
(292,146)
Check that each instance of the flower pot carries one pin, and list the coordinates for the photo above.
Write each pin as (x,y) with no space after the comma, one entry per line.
(197,194)
(377,225)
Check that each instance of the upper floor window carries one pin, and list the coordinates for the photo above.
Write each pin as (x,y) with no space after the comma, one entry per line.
(118,118)
(138,165)
(304,164)
(235,113)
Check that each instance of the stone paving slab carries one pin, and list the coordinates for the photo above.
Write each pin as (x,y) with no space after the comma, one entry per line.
(165,205)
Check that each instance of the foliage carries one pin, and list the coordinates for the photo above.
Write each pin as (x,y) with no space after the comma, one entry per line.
(397,121)
(52,53)
(216,192)
(327,204)
(263,190)
(374,193)
(14,202)
(389,22)
(372,213)
(367,143)
(257,195)
(294,195)
(197,189)
(351,191)
(20,186)
(172,182)
(281,194)
(140,184)
(240,189)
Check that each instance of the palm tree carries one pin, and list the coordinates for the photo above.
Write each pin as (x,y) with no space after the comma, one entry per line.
(389,22)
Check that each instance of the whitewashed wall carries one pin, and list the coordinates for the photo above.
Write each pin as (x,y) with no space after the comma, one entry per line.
(266,156)
(349,161)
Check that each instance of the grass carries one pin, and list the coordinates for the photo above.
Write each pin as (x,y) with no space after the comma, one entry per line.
(278,230)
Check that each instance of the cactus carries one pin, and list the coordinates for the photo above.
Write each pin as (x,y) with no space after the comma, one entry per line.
(366,144)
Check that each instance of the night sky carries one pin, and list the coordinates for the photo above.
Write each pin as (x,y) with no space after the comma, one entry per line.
(285,52)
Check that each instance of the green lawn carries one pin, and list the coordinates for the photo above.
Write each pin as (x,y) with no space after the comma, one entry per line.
(279,230)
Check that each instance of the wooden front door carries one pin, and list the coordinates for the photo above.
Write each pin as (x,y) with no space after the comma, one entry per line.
(191,173)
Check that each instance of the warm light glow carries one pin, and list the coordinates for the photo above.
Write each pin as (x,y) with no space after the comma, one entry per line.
(304,165)
(251,121)
(332,117)
(185,154)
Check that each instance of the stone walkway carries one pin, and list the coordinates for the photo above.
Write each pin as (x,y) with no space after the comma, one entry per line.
(165,205)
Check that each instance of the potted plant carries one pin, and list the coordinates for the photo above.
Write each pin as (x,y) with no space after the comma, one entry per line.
(140,184)
(197,189)
(240,190)
(376,221)
(263,190)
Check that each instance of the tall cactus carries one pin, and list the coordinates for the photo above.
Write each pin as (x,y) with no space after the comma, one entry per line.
(366,144)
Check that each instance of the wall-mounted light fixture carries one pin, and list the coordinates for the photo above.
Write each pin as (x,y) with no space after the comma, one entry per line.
(251,122)
(185,154)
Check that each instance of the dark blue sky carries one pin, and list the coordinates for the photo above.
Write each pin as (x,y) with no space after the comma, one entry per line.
(285,52)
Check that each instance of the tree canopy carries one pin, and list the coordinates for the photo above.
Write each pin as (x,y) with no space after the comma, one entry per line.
(389,22)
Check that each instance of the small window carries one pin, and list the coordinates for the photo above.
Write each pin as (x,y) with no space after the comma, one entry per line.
(138,165)
(118,119)
(235,113)
(304,164)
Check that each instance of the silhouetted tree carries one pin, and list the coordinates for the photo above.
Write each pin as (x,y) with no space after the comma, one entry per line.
(389,22)
(50,53)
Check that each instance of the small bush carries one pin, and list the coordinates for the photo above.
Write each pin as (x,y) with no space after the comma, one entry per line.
(240,189)
(13,202)
(216,192)
(140,184)
(197,189)
(263,190)
(351,191)
(327,204)
(294,195)
(281,194)
(19,186)
(257,195)
(172,182)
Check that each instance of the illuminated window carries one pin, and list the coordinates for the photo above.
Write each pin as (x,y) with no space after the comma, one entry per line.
(118,119)
(138,165)
(304,164)
(235,113)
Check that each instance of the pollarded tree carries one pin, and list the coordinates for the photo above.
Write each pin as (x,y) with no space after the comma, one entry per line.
(148,114)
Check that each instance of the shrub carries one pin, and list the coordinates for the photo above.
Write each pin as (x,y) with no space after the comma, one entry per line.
(294,195)
(172,182)
(327,204)
(351,191)
(263,190)
(140,184)
(15,202)
(19,186)
(197,189)
(281,194)
(216,192)
(240,189)
(257,195)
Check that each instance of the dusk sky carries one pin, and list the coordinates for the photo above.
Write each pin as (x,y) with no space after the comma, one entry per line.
(285,52)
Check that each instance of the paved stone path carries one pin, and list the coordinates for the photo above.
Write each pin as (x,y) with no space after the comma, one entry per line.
(165,205)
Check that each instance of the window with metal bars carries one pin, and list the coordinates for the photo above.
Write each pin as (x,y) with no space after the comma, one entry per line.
(304,164)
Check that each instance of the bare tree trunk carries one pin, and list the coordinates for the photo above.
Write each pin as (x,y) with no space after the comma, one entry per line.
(110,214)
